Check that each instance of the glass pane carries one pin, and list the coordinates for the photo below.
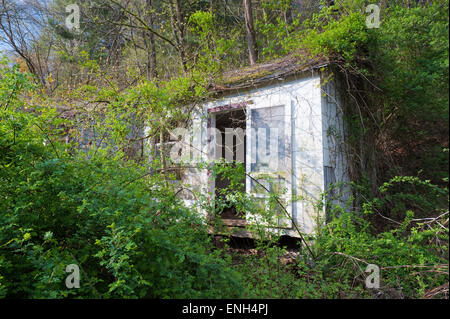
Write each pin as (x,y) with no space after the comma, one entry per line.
(268,153)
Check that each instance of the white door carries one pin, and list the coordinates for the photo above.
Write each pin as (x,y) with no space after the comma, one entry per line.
(269,155)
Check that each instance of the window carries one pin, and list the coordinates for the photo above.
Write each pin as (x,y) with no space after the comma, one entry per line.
(269,155)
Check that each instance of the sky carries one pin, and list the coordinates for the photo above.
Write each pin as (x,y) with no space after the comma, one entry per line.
(3,46)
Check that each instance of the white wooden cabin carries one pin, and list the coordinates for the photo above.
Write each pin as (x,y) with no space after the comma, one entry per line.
(297,97)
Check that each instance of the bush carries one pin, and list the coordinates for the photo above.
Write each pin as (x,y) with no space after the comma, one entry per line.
(126,230)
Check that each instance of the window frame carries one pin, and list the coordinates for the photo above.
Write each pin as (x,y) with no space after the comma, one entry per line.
(275,100)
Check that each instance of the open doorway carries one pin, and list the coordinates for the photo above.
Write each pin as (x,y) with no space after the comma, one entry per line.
(231,125)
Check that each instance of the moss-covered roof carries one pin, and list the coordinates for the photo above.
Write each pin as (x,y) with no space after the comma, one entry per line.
(278,69)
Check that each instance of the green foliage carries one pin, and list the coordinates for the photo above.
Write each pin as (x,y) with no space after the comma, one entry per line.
(396,76)
(265,276)
(410,261)
(405,193)
(129,234)
(412,253)
(215,53)
(275,28)
(411,69)
(118,217)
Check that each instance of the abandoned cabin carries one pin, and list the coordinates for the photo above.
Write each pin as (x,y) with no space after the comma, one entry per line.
(282,119)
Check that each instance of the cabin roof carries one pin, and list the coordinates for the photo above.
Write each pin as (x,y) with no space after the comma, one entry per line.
(262,73)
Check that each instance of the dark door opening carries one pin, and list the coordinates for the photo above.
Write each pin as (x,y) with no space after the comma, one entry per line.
(225,122)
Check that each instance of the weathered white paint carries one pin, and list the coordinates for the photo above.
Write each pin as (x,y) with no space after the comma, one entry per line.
(317,131)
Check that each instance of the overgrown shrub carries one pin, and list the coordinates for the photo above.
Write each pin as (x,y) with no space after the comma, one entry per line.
(128,233)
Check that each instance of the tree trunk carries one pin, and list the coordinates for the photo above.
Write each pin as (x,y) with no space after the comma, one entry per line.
(152,72)
(251,41)
(178,30)
(212,6)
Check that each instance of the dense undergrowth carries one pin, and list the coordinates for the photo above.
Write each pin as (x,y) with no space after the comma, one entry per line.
(121,222)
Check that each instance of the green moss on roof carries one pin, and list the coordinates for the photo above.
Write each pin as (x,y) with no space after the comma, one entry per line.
(239,78)
(264,72)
